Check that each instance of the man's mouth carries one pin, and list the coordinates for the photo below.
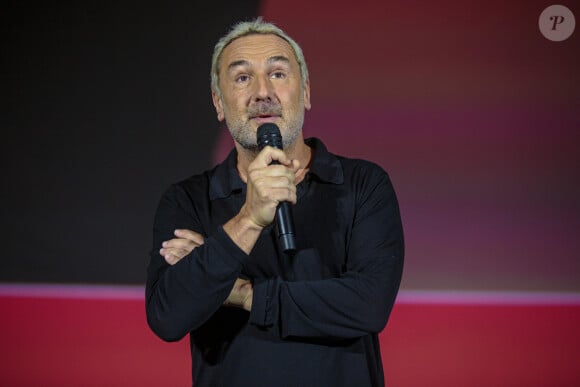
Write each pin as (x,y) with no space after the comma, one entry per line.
(264,117)
(264,111)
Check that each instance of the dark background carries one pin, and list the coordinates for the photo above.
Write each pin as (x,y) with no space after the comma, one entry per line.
(108,103)
(470,109)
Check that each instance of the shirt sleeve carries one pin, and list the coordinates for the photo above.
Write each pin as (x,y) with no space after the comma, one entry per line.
(360,300)
(180,298)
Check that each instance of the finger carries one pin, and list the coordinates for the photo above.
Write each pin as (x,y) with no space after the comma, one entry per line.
(264,184)
(172,259)
(174,251)
(241,282)
(180,243)
(277,170)
(180,253)
(284,195)
(189,234)
(277,174)
(269,154)
(294,166)
(274,195)
(238,296)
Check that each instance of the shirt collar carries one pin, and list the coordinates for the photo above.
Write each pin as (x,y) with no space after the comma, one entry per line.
(226,180)
(324,165)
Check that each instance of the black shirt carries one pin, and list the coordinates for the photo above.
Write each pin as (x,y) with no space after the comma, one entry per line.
(315,315)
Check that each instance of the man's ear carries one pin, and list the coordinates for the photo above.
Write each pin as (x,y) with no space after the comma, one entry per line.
(307,105)
(217,103)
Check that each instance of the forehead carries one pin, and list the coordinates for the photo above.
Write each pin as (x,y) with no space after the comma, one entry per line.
(256,47)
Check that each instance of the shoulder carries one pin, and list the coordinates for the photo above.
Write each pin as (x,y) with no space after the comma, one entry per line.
(368,183)
(342,170)
(362,172)
(360,166)
(194,185)
(183,204)
(200,189)
(180,196)
(192,189)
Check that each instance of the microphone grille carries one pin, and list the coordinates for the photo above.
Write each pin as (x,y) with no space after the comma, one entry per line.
(269,135)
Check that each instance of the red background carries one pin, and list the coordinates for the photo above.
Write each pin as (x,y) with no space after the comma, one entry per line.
(96,340)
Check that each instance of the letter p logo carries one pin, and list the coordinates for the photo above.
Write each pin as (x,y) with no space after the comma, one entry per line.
(557,20)
(557,23)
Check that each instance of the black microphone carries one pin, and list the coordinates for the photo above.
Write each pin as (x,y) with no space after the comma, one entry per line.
(269,135)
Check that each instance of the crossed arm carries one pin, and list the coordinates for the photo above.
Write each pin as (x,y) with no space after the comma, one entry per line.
(185,242)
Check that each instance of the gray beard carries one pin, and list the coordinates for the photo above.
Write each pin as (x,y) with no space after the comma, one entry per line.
(245,136)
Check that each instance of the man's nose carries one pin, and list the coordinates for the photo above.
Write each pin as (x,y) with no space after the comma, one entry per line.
(263,88)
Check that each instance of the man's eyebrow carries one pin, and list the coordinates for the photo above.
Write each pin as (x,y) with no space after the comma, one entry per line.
(272,59)
(237,63)
(278,58)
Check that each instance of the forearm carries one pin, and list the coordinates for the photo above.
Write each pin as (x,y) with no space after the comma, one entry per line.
(356,304)
(182,297)
(243,231)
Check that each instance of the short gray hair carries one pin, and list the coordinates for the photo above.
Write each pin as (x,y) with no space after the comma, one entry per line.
(257,26)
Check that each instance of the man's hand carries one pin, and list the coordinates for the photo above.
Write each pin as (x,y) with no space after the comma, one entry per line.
(241,295)
(268,185)
(175,249)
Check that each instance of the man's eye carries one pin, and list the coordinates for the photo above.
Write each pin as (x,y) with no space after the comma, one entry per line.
(242,78)
(278,75)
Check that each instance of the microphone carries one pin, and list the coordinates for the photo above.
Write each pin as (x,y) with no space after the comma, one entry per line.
(269,135)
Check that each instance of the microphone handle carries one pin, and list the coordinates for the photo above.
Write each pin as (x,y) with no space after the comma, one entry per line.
(285,225)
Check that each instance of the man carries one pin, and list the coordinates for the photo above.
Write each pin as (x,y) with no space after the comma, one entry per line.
(257,316)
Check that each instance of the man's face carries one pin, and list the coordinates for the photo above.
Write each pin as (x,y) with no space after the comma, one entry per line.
(260,82)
